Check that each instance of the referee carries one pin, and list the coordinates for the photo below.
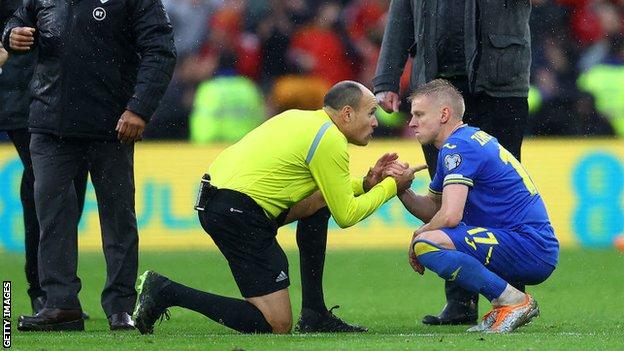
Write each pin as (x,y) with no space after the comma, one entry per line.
(253,184)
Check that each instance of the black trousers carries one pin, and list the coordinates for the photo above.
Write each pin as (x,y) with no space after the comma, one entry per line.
(56,161)
(505,118)
(21,141)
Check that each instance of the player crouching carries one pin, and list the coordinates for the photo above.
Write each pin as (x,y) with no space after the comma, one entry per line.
(486,226)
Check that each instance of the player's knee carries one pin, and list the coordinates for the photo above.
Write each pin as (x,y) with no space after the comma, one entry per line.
(423,247)
(437,238)
(438,263)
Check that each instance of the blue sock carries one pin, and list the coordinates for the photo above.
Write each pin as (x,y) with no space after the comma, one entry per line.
(462,268)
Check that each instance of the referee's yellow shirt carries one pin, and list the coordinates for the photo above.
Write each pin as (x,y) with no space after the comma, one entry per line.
(291,155)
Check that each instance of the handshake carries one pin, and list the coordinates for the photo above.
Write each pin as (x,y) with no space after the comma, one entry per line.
(389,165)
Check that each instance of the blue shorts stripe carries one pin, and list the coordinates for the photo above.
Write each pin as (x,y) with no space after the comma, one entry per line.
(317,140)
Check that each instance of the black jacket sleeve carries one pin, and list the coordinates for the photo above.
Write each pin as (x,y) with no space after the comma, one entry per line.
(24,17)
(397,39)
(153,36)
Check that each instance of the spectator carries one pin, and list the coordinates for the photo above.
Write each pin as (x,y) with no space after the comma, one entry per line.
(570,116)
(322,49)
(604,82)
(226,107)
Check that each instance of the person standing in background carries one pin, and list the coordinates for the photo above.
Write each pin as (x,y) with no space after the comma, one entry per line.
(14,101)
(102,68)
(483,48)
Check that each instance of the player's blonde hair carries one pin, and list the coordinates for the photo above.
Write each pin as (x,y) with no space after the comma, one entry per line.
(445,93)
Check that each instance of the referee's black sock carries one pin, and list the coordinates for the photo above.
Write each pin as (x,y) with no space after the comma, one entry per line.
(312,242)
(237,314)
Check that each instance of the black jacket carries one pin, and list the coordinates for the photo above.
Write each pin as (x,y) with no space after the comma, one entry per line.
(14,79)
(96,59)
(496,42)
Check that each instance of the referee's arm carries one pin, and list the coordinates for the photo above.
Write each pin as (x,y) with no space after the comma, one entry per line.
(357,184)
(330,168)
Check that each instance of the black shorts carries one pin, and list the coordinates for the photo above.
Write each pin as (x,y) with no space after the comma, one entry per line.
(246,237)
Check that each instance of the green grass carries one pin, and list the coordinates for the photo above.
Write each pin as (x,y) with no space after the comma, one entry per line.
(582,307)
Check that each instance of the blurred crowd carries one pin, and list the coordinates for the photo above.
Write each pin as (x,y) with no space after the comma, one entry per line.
(240,61)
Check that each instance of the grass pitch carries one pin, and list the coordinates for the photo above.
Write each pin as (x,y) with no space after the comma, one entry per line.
(582,306)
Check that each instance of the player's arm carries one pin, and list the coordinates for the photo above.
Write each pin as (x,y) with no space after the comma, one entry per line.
(451,210)
(423,207)
(449,215)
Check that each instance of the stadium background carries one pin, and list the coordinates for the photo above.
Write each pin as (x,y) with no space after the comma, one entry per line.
(241,61)
(582,182)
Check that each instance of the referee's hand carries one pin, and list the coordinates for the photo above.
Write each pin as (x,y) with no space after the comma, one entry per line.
(130,127)
(21,38)
(377,173)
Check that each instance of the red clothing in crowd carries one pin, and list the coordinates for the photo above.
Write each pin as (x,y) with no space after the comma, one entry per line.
(328,52)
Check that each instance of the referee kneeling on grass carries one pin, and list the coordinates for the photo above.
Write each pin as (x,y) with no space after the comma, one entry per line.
(269,178)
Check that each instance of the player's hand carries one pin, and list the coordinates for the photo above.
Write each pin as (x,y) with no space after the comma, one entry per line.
(389,101)
(394,169)
(130,127)
(413,259)
(21,38)
(376,173)
(404,181)
(4,56)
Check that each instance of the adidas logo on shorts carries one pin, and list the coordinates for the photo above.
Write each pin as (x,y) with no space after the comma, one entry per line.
(281,276)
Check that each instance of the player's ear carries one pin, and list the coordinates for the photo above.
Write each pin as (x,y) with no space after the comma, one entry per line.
(347,113)
(446,114)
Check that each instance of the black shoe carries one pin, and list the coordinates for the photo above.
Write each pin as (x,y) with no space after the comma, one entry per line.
(311,321)
(120,321)
(38,303)
(454,313)
(149,307)
(52,319)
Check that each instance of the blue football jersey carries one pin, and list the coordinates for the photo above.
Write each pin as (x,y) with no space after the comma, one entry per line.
(501,193)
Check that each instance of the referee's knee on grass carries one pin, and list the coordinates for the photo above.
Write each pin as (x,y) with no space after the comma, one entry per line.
(281,324)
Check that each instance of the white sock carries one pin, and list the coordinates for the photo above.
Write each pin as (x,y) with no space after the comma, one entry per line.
(510,296)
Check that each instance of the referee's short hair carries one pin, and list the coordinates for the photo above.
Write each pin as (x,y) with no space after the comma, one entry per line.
(443,90)
(345,93)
